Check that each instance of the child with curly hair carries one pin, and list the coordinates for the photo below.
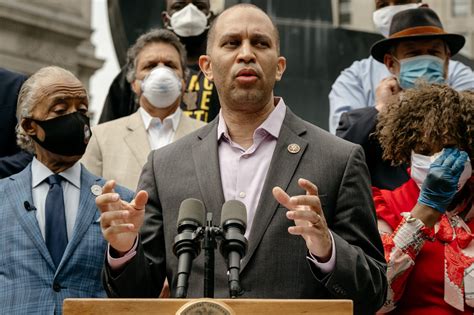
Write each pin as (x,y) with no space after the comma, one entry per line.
(426,223)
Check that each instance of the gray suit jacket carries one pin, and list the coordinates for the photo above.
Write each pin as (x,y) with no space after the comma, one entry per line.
(275,265)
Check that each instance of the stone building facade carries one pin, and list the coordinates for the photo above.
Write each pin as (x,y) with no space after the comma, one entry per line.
(38,33)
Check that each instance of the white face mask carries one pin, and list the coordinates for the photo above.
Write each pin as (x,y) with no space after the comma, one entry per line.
(420,166)
(383,17)
(189,21)
(161,87)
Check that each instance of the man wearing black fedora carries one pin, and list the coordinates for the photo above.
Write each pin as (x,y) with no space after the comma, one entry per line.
(355,86)
(417,49)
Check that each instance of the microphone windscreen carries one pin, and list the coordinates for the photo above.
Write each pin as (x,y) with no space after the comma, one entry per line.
(234,210)
(192,210)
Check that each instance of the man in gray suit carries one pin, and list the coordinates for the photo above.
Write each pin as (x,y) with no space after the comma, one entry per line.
(258,152)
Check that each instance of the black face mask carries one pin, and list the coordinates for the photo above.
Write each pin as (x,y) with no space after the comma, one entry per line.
(65,135)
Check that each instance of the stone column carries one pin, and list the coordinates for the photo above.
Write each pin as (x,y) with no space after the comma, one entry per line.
(39,33)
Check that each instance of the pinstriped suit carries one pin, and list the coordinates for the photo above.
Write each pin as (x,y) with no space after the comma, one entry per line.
(29,282)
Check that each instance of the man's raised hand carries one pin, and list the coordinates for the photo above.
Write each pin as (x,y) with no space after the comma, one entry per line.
(120,221)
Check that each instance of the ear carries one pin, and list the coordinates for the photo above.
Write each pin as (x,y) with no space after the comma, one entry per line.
(446,68)
(29,126)
(32,129)
(136,87)
(281,67)
(165,18)
(206,66)
(183,86)
(446,63)
(390,63)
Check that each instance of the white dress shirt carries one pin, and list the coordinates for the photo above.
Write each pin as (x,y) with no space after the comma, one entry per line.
(71,185)
(160,133)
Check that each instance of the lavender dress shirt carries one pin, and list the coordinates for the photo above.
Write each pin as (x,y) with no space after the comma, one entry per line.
(243,172)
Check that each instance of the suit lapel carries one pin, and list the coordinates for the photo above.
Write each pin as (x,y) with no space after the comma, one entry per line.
(137,139)
(183,127)
(280,173)
(20,191)
(86,213)
(206,163)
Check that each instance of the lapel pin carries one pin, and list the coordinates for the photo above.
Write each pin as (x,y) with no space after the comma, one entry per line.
(294,148)
(96,190)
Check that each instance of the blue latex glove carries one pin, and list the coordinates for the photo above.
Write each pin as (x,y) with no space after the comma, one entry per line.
(441,184)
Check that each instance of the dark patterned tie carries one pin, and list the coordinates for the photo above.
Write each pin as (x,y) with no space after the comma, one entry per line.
(56,233)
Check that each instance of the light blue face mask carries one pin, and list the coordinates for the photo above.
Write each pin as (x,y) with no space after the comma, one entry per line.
(425,67)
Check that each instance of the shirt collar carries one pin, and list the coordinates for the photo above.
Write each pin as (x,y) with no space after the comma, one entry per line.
(40,172)
(173,118)
(272,124)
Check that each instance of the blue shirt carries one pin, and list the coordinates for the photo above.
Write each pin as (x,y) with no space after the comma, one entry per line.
(355,87)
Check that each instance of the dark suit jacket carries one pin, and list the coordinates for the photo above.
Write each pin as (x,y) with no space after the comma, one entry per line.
(12,159)
(275,265)
(357,126)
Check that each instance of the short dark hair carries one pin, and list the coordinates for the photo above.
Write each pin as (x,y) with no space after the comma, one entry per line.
(154,36)
(211,32)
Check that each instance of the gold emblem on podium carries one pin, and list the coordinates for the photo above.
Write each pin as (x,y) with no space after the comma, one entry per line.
(205,307)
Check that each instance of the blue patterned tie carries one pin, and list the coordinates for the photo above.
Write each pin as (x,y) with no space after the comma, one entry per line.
(56,233)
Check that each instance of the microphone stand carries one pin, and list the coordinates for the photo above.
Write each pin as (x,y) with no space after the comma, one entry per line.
(209,235)
(209,245)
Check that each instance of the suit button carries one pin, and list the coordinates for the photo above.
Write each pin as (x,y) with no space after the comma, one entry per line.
(56,287)
(337,289)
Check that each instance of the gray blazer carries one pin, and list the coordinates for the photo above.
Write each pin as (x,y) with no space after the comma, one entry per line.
(275,265)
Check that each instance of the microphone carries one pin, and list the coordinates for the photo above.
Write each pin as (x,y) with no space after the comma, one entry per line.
(28,206)
(234,244)
(186,246)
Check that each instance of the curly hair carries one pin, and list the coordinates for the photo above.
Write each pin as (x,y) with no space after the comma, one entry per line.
(425,118)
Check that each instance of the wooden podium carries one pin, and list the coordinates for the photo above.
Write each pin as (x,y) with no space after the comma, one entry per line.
(236,306)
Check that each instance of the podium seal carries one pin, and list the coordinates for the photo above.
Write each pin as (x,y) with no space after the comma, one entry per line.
(205,307)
